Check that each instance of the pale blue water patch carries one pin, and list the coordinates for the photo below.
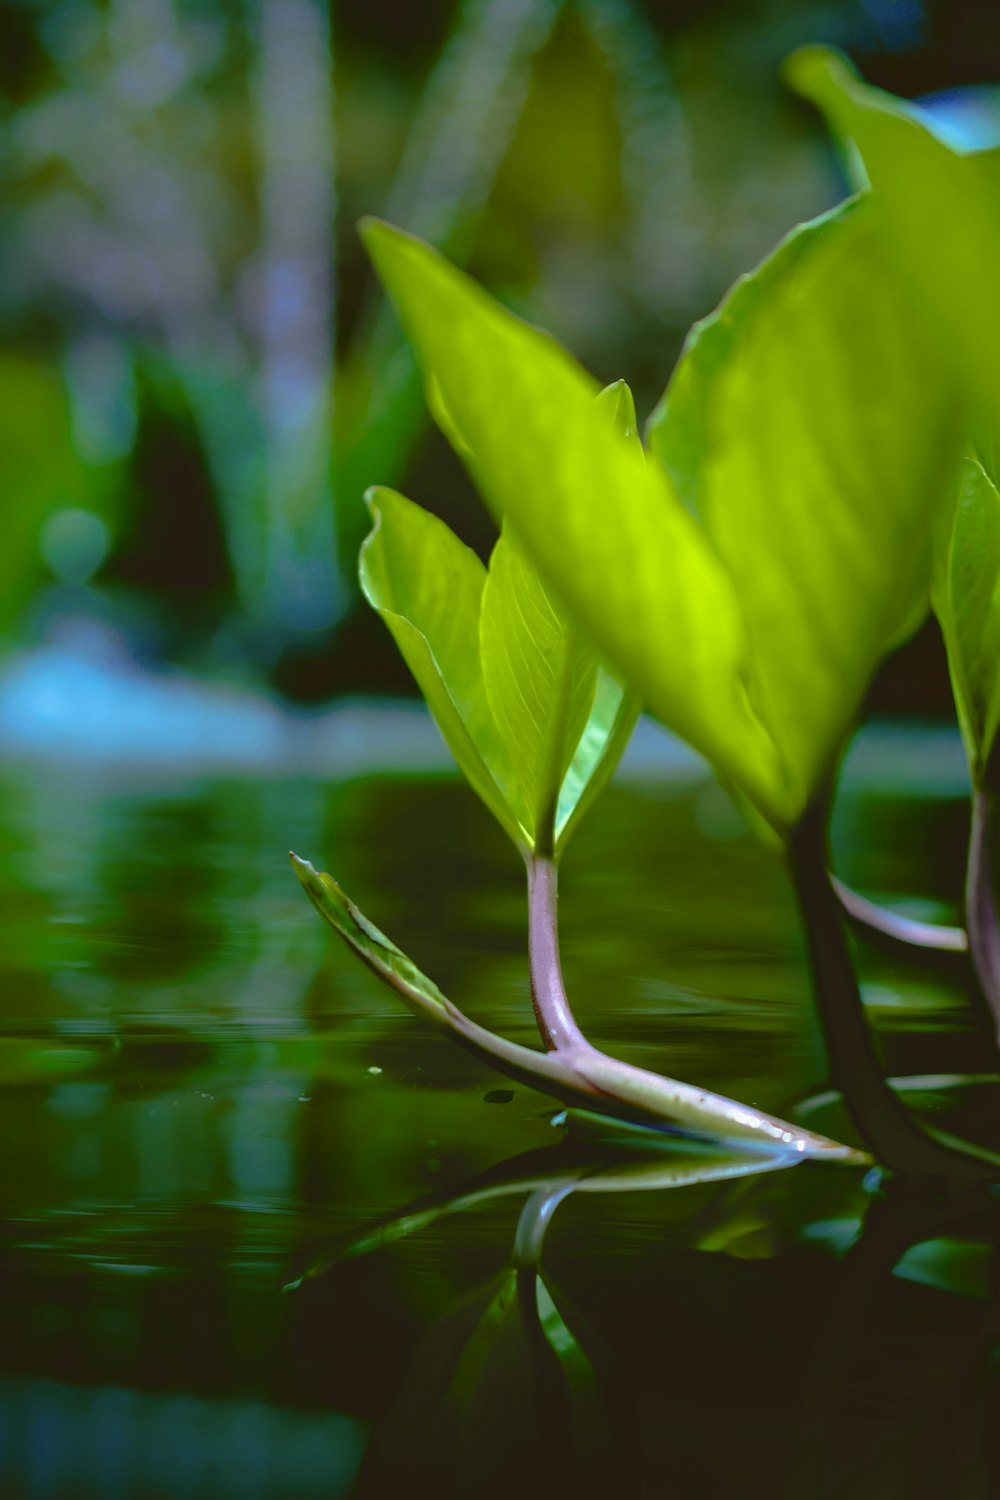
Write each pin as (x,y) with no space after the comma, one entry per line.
(56,1440)
(87,702)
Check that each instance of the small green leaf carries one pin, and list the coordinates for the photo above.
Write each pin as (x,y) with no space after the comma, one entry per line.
(428,588)
(967,604)
(617,403)
(372,946)
(602,744)
(539,673)
(602,525)
(806,426)
(942,208)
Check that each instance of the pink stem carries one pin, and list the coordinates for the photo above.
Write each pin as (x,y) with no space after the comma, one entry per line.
(558,1028)
(981,918)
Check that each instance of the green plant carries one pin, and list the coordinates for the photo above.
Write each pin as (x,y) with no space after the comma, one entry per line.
(942,213)
(520,1335)
(537,726)
(745,579)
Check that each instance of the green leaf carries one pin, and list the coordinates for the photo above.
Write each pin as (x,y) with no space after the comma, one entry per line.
(602,744)
(807,427)
(581,1076)
(967,604)
(602,525)
(428,588)
(616,708)
(617,404)
(517,706)
(539,673)
(942,208)
(371,945)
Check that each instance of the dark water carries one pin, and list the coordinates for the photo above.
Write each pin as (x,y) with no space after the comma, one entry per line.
(204,1097)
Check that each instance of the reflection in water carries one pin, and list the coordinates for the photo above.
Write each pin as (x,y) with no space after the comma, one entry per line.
(203,1096)
(928,1380)
(511,1389)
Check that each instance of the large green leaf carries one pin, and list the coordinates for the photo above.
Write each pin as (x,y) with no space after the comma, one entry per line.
(604,526)
(428,588)
(967,604)
(616,708)
(539,673)
(942,208)
(806,426)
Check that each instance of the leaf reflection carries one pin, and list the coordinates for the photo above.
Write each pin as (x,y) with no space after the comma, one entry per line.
(513,1391)
(596,1156)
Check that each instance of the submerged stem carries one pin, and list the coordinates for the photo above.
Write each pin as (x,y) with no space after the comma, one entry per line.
(884,1124)
(981,915)
(553,1013)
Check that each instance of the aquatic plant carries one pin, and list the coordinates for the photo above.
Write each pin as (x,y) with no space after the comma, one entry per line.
(537,726)
(744,575)
(946,243)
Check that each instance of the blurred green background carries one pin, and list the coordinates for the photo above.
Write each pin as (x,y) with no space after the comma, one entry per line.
(198,378)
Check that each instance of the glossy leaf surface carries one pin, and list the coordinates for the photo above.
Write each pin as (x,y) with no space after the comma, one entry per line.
(539,673)
(507,674)
(967,604)
(617,404)
(607,732)
(428,588)
(805,428)
(603,526)
(942,207)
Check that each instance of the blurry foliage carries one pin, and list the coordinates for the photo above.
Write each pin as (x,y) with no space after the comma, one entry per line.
(181,186)
(43,472)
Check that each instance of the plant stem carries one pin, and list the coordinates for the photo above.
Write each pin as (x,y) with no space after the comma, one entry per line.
(980,899)
(556,1022)
(621,1089)
(576,1073)
(881,1120)
(899,929)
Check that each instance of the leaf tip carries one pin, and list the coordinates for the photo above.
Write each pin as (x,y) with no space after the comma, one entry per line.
(371,228)
(303,869)
(371,498)
(816,72)
(386,243)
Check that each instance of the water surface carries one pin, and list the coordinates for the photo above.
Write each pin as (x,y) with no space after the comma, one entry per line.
(205,1096)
